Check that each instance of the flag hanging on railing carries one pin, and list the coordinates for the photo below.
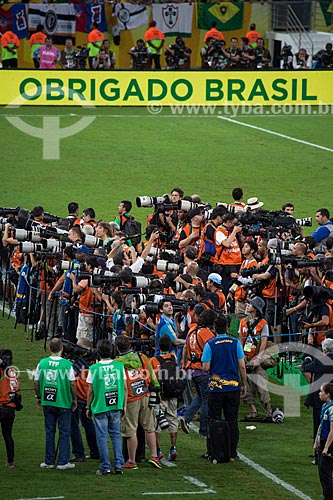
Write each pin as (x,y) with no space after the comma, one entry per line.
(174,19)
(227,15)
(14,15)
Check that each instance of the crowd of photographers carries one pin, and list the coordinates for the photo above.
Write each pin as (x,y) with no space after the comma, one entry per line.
(165,289)
(248,53)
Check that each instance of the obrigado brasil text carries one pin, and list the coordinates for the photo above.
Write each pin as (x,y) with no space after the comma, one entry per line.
(154,89)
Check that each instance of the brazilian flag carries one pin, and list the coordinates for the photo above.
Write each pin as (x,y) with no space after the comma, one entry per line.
(228,15)
(326,7)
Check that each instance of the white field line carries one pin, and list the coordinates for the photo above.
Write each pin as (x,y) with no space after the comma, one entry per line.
(167,463)
(40,498)
(266,473)
(219,114)
(191,480)
(149,115)
(283,136)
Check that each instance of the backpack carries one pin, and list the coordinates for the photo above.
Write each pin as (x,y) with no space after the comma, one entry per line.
(132,229)
(171,378)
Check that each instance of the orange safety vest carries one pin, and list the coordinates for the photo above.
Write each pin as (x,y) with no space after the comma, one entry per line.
(138,380)
(248,339)
(189,229)
(240,294)
(207,245)
(195,341)
(231,256)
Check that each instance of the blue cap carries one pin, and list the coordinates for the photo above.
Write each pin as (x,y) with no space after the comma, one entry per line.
(81,249)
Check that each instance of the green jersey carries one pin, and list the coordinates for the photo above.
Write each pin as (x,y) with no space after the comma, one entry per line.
(108,382)
(54,382)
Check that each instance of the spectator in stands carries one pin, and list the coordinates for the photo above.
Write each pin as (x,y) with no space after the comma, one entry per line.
(10,43)
(154,40)
(139,56)
(252,35)
(302,60)
(37,39)
(95,40)
(68,56)
(48,55)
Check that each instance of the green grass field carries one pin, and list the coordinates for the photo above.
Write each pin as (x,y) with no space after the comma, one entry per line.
(128,152)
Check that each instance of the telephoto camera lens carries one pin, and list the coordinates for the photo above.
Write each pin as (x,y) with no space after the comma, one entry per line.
(162,421)
(164,266)
(153,399)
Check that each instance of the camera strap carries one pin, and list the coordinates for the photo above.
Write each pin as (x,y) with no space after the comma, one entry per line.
(250,330)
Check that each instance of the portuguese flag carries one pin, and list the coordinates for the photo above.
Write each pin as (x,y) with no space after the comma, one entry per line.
(228,15)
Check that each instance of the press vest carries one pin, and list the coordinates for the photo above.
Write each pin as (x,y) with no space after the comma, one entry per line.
(108,385)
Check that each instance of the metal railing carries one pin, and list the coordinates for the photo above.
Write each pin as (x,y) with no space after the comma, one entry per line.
(297,31)
(286,17)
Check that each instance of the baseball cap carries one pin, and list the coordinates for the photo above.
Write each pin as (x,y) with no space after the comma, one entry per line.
(81,249)
(216,278)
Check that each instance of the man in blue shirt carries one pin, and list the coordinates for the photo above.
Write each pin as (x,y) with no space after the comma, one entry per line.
(325,228)
(167,326)
(223,358)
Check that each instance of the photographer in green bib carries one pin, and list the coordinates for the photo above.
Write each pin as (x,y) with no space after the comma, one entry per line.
(55,391)
(107,396)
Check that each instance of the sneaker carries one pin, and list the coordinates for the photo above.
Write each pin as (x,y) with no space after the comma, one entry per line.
(251,415)
(118,471)
(130,465)
(155,462)
(66,466)
(172,454)
(10,465)
(78,459)
(184,425)
(205,456)
(101,472)
(235,458)
(43,465)
(160,454)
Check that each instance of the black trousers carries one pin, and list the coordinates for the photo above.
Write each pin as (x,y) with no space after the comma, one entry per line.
(157,60)
(9,63)
(325,469)
(7,416)
(228,403)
